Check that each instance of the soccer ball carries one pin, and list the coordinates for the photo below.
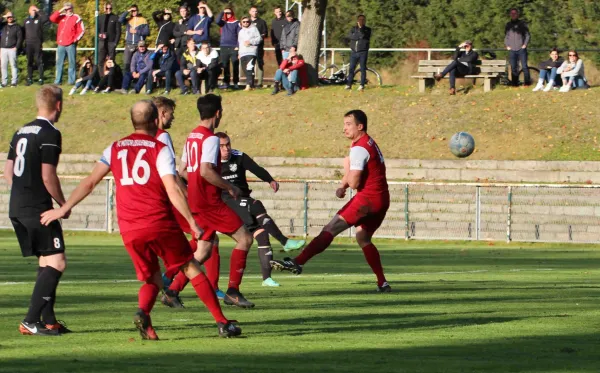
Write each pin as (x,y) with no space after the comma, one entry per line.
(462,144)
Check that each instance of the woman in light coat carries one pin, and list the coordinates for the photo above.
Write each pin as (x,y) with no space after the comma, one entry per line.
(572,73)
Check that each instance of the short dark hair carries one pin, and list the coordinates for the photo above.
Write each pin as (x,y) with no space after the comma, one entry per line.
(291,13)
(254,7)
(515,9)
(361,15)
(209,105)
(359,117)
(222,135)
(133,6)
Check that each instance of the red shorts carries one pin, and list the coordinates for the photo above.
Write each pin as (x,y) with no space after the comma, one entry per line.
(217,219)
(146,246)
(367,212)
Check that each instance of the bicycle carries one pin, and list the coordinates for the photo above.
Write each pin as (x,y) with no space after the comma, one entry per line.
(506,79)
(339,75)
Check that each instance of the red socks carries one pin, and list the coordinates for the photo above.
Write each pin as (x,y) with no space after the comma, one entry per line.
(147,296)
(372,256)
(316,246)
(207,295)
(179,282)
(212,266)
(237,265)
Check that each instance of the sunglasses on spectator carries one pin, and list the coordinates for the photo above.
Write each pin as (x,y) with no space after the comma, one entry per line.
(108,8)
(572,55)
(227,12)
(245,22)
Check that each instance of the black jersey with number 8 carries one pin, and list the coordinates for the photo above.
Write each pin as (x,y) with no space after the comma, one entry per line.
(32,145)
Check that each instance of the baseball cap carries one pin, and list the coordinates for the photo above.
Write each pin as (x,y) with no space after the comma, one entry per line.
(141,43)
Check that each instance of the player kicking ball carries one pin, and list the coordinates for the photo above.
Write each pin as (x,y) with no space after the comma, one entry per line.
(146,186)
(365,173)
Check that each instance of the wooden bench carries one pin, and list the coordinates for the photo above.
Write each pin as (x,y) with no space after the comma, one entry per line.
(489,70)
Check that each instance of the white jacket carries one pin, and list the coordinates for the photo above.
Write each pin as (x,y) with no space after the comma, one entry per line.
(577,69)
(252,35)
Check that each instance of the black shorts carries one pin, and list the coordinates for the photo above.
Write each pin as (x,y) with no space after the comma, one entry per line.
(36,239)
(243,208)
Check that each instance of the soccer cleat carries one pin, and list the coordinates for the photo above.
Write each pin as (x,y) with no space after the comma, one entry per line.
(287,264)
(143,323)
(228,330)
(37,328)
(166,281)
(220,294)
(270,282)
(292,245)
(61,326)
(233,297)
(171,299)
(384,288)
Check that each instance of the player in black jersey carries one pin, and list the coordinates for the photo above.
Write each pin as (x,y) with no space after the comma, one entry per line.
(234,165)
(31,171)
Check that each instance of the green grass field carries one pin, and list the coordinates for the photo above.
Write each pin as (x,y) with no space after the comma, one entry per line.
(508,124)
(456,307)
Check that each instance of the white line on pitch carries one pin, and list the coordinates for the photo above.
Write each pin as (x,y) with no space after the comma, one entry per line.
(362,275)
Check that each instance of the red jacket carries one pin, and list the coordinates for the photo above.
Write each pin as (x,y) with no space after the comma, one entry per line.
(302,76)
(70,28)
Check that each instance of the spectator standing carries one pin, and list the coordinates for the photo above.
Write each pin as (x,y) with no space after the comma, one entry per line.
(167,65)
(163,19)
(572,73)
(112,77)
(210,69)
(140,66)
(277,26)
(230,28)
(10,41)
(249,39)
(516,39)
(34,38)
(291,75)
(136,30)
(180,30)
(549,71)
(289,35)
(70,31)
(360,41)
(109,35)
(188,68)
(88,74)
(263,30)
(464,63)
(199,24)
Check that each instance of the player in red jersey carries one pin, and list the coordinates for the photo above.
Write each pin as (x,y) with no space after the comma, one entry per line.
(201,164)
(364,172)
(144,172)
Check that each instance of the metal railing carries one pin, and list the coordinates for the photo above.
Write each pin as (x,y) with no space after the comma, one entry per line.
(448,211)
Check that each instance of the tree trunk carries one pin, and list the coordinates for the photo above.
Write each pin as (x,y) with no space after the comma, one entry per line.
(309,41)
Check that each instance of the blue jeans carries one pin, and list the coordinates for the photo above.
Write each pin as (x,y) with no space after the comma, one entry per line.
(514,57)
(128,78)
(193,75)
(88,84)
(550,76)
(455,69)
(287,80)
(577,82)
(71,52)
(360,58)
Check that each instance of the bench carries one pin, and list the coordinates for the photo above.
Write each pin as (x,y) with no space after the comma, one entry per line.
(489,70)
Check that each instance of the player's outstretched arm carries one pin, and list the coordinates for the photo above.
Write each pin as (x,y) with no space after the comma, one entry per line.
(178,200)
(8,171)
(85,187)
(208,172)
(250,165)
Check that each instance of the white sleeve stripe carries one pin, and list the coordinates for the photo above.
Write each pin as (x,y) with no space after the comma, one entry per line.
(50,145)
(210,150)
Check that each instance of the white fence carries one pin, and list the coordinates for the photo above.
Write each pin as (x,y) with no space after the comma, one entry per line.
(450,211)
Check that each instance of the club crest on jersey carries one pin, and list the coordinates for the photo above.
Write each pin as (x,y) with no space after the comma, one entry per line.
(233,167)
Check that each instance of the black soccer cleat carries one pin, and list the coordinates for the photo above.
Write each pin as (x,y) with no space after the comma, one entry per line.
(143,323)
(233,297)
(229,330)
(385,288)
(171,299)
(287,264)
(36,328)
(60,326)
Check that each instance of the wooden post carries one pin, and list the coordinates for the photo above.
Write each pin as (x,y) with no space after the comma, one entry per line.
(487,84)
(422,85)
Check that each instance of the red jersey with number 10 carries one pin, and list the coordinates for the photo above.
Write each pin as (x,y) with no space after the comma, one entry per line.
(138,162)
(365,156)
(202,146)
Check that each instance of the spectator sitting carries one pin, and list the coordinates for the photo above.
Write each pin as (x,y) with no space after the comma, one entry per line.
(549,71)
(167,64)
(210,69)
(248,38)
(163,19)
(140,66)
(230,28)
(290,75)
(572,73)
(87,75)
(112,77)
(188,67)
(289,35)
(463,64)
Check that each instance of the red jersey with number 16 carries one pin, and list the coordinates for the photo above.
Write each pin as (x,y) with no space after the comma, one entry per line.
(365,156)
(202,146)
(138,162)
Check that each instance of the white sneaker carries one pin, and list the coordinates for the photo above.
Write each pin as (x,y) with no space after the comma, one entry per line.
(361,87)
(539,86)
(347,87)
(84,91)
(549,87)
(72,92)
(565,88)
